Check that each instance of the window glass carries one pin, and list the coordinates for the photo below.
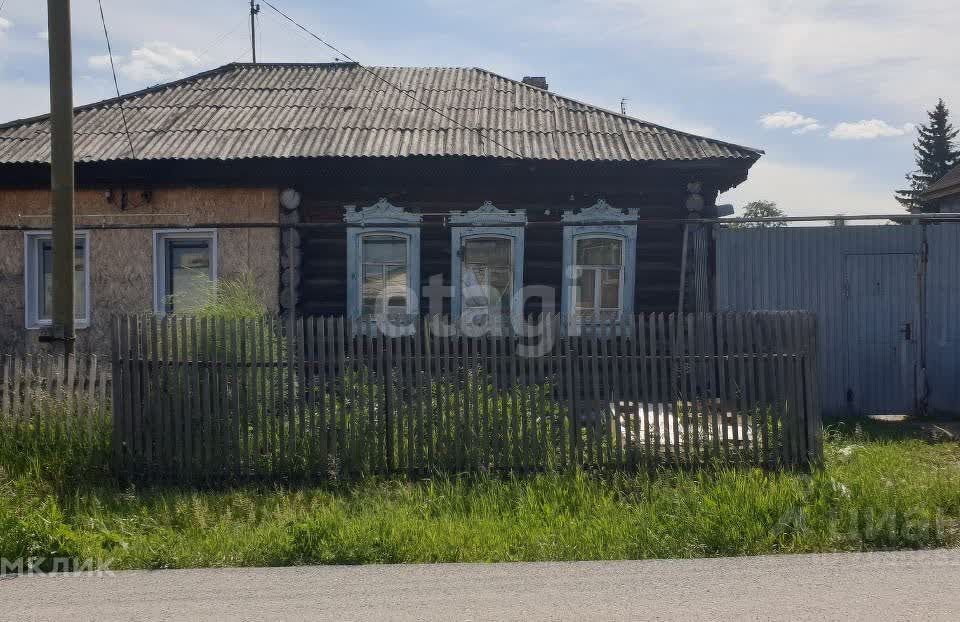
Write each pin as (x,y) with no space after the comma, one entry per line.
(487,251)
(598,278)
(598,251)
(586,288)
(609,289)
(384,272)
(395,285)
(45,280)
(189,273)
(372,288)
(487,279)
(384,249)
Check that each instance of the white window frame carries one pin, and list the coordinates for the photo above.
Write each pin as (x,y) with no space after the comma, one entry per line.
(31,268)
(381,218)
(476,224)
(597,268)
(370,233)
(577,227)
(160,237)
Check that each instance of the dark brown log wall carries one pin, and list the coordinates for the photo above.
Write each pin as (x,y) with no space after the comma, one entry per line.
(324,269)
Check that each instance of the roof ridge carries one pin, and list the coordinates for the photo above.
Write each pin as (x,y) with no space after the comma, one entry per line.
(133,94)
(496,93)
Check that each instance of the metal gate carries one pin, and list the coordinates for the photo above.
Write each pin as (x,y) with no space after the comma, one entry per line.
(882,316)
(886,299)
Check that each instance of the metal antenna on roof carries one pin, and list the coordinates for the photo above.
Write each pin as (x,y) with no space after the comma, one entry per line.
(623,105)
(254,9)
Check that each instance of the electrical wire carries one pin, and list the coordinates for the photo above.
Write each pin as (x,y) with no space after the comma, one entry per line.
(116,85)
(343,54)
(283,24)
(216,42)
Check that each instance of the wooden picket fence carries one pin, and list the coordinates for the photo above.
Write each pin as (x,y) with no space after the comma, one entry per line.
(46,398)
(210,400)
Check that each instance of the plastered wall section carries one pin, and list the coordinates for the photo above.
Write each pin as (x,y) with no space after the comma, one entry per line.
(121,261)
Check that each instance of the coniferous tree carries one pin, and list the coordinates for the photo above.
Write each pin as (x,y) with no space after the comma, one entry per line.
(935,156)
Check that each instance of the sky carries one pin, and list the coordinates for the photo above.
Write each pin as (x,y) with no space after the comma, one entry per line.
(831,90)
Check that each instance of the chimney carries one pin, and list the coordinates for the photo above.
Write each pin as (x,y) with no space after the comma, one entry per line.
(538,81)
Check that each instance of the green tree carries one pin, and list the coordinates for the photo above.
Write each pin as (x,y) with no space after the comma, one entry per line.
(761,209)
(935,155)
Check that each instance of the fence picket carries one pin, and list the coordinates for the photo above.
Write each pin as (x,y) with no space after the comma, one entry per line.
(743,422)
(542,403)
(723,404)
(776,367)
(323,397)
(660,447)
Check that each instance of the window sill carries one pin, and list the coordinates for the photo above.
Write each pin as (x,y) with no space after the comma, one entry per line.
(78,325)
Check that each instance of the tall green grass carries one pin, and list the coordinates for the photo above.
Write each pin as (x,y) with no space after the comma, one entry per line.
(870,494)
(874,491)
(229,299)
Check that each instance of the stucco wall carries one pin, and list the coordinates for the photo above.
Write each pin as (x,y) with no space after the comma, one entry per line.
(121,261)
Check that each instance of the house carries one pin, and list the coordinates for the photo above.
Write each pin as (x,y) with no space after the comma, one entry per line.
(945,192)
(397,178)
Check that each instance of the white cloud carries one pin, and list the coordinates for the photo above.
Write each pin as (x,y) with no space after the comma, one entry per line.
(156,61)
(887,50)
(868,129)
(812,127)
(101,61)
(810,190)
(153,62)
(787,119)
(5,25)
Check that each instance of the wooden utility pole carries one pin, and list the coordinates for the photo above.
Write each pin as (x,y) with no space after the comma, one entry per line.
(254,9)
(61,170)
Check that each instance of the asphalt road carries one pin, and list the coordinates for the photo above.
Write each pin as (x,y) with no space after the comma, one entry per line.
(873,586)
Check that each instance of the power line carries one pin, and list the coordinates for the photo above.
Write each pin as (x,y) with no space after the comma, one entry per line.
(222,37)
(343,54)
(116,85)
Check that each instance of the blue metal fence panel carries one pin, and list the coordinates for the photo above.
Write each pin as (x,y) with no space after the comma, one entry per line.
(943,317)
(802,268)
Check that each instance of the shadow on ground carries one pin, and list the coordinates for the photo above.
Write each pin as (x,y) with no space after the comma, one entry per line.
(936,428)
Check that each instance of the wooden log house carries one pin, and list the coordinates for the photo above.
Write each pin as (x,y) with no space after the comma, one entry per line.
(395,178)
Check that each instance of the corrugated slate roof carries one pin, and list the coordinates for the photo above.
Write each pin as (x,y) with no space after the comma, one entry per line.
(343,110)
(950,181)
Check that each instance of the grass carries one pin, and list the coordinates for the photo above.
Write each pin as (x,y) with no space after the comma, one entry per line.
(875,491)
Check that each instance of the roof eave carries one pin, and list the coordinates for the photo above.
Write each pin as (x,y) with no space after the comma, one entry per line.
(941,193)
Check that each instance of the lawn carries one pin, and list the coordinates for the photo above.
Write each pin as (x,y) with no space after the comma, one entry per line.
(876,490)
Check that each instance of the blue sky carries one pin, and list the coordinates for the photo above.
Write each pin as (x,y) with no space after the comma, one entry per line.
(828,88)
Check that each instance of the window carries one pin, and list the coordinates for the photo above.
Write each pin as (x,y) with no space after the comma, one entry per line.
(487,279)
(598,278)
(600,263)
(385,281)
(185,269)
(487,270)
(383,263)
(38,275)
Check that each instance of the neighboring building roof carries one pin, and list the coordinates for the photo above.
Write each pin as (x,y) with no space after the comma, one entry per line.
(342,110)
(946,186)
